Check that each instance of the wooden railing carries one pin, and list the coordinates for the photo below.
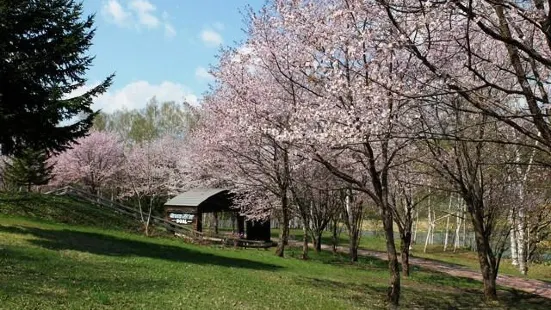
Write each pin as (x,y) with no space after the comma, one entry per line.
(178,229)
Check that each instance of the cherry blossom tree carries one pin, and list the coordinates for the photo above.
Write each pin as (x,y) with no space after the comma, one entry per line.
(408,191)
(148,170)
(317,197)
(243,152)
(341,76)
(470,165)
(357,86)
(461,47)
(93,162)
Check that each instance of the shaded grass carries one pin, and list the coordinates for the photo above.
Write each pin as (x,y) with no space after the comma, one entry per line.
(460,257)
(57,266)
(61,209)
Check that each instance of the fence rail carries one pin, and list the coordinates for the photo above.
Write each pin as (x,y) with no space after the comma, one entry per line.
(178,229)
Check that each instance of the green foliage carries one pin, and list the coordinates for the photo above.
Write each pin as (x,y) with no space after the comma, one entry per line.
(153,121)
(43,46)
(29,168)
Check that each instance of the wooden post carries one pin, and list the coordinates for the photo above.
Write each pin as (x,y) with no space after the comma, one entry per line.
(215,216)
(198,221)
(241,225)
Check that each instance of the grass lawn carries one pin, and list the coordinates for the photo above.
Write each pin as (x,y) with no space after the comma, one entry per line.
(48,265)
(435,252)
(61,209)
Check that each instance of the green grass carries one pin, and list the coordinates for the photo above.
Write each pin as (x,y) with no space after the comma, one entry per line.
(376,243)
(469,259)
(48,265)
(461,257)
(57,266)
(60,209)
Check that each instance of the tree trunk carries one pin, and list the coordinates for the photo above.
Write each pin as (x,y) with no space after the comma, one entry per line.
(335,238)
(317,241)
(405,241)
(513,236)
(433,227)
(353,228)
(414,241)
(394,289)
(464,223)
(458,222)
(488,275)
(428,231)
(283,230)
(521,238)
(486,257)
(448,225)
(490,291)
(305,241)
(353,247)
(148,221)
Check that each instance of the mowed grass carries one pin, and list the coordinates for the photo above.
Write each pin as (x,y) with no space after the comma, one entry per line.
(462,257)
(48,265)
(61,209)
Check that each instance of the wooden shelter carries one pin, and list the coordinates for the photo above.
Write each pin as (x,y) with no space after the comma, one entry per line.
(188,208)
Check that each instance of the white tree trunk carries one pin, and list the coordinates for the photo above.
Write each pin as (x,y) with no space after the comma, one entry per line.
(513,235)
(464,222)
(416,226)
(429,229)
(521,245)
(458,221)
(433,227)
(447,224)
(520,217)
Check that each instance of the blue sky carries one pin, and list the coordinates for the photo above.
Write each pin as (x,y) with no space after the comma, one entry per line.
(160,48)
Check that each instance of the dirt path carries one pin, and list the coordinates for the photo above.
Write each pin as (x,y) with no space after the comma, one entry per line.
(532,286)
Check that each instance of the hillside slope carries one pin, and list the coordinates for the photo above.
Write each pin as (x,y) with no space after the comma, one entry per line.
(60,209)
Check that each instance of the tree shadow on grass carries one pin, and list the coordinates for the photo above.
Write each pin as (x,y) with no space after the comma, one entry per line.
(104,244)
(46,280)
(425,289)
(373,296)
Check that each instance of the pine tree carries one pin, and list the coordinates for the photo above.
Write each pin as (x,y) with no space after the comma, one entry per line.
(29,168)
(43,58)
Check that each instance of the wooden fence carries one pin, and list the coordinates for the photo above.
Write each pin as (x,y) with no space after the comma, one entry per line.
(179,230)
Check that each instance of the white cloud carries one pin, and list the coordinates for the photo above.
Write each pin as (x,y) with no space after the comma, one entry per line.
(169,30)
(218,26)
(145,12)
(115,13)
(202,74)
(138,14)
(211,38)
(136,95)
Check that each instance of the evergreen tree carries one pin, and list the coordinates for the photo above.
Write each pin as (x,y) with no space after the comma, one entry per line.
(29,168)
(43,58)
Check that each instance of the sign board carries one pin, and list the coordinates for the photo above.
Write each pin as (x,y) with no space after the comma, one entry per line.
(181,218)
